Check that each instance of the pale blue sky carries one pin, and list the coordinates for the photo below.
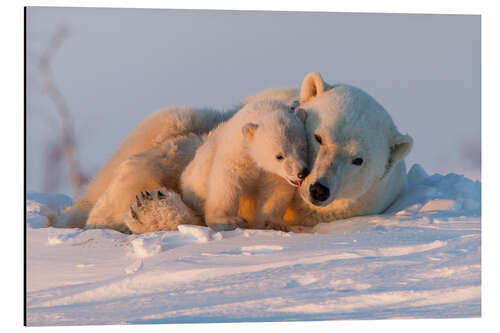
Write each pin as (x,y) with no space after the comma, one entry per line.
(119,65)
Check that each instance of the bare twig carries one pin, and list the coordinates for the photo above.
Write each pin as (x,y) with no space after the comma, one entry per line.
(77,178)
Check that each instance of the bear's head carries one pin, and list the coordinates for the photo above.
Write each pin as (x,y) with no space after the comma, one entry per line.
(277,142)
(352,141)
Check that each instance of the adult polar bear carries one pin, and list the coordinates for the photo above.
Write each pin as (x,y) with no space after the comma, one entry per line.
(356,158)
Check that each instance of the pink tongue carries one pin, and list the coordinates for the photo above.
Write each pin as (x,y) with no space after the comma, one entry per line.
(299,182)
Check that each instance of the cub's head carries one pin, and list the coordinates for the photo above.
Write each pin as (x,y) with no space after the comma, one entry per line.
(352,141)
(277,143)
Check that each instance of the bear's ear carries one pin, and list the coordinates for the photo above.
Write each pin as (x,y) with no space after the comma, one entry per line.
(312,86)
(400,146)
(301,114)
(249,130)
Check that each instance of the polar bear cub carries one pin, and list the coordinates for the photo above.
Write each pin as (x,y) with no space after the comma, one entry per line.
(261,154)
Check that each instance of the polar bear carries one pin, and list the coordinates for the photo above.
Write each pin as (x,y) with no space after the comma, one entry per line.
(356,153)
(156,168)
(261,154)
(356,157)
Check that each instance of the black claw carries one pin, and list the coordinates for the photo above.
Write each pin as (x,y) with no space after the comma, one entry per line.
(161,195)
(149,195)
(133,213)
(138,201)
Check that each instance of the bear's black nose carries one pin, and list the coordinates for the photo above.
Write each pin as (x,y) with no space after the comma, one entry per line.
(303,173)
(319,192)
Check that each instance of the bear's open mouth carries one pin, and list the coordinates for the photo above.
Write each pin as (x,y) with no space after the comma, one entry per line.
(297,183)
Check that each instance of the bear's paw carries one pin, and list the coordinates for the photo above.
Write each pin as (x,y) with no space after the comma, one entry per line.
(158,210)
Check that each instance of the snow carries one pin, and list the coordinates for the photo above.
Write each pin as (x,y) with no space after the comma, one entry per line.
(420,259)
(39,205)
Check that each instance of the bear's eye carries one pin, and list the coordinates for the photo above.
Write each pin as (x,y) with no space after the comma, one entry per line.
(318,138)
(357,161)
(279,157)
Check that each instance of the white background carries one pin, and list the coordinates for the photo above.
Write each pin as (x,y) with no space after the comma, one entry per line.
(12,140)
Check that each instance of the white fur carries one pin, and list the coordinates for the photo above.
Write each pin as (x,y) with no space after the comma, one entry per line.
(351,125)
(147,143)
(240,159)
(349,120)
(158,167)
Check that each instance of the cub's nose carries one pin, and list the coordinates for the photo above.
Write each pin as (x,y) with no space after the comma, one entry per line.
(319,192)
(303,173)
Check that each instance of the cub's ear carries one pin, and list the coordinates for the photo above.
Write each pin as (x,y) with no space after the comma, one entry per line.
(301,114)
(312,86)
(249,130)
(400,146)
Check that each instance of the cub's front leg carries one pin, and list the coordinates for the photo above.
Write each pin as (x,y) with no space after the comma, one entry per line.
(274,196)
(221,206)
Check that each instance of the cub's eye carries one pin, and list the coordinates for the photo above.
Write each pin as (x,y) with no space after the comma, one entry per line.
(357,161)
(318,138)
(279,157)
